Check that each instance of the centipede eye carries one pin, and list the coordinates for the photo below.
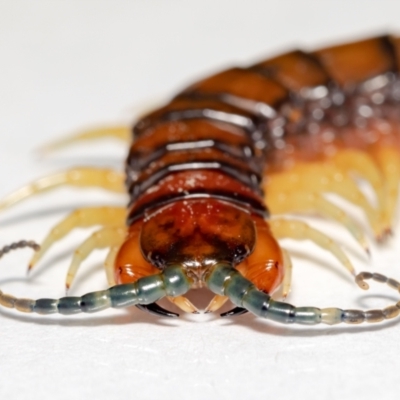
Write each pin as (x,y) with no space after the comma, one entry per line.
(241,252)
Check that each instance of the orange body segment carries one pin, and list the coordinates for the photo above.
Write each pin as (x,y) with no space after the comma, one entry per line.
(264,266)
(355,62)
(130,265)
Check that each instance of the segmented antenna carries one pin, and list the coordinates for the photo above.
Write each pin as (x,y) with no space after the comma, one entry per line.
(19,245)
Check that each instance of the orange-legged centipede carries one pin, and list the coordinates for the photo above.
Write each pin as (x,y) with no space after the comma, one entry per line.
(203,167)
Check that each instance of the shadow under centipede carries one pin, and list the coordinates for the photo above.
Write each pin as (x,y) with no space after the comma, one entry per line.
(355,252)
(86,275)
(51,262)
(331,265)
(367,301)
(43,267)
(389,242)
(124,317)
(201,298)
(264,326)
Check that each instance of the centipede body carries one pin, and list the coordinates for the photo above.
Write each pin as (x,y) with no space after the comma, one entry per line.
(205,172)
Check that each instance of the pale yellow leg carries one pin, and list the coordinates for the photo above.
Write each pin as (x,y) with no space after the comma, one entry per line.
(324,177)
(184,304)
(361,163)
(287,278)
(105,237)
(104,178)
(299,202)
(80,218)
(388,160)
(216,303)
(110,262)
(298,230)
(123,133)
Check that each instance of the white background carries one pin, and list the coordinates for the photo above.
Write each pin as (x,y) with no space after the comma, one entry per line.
(67,65)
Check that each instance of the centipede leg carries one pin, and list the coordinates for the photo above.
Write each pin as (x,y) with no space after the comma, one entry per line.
(287,278)
(122,133)
(388,160)
(324,178)
(110,262)
(303,202)
(105,237)
(81,218)
(364,166)
(104,178)
(216,303)
(184,304)
(299,230)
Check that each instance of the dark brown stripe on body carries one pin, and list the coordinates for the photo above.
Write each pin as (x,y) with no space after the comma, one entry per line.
(243,115)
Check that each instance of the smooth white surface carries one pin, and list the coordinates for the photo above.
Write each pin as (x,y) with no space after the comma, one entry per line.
(67,65)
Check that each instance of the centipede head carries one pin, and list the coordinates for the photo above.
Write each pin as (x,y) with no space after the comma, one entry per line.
(197,234)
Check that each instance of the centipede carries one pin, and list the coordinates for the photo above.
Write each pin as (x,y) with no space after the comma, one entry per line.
(211,174)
